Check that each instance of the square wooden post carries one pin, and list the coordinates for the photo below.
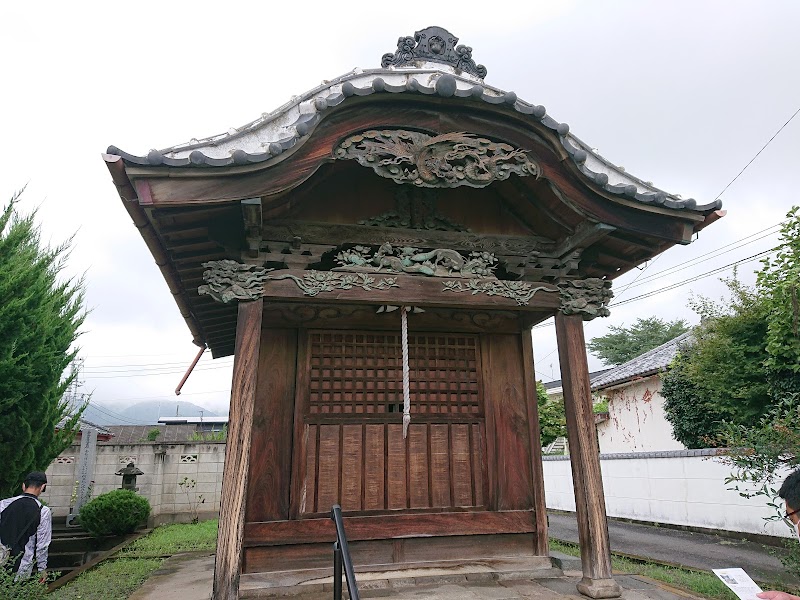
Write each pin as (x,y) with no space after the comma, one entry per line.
(228,563)
(541,543)
(590,504)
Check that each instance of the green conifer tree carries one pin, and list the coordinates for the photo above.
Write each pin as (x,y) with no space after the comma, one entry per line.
(40,315)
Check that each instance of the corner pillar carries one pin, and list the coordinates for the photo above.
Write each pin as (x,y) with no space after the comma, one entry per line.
(228,562)
(590,505)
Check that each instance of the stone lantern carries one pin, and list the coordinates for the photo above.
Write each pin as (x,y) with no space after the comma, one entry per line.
(129,475)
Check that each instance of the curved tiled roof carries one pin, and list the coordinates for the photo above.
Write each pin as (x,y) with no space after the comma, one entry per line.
(652,361)
(271,134)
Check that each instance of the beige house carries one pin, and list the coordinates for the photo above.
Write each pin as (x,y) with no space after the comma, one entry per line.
(636,419)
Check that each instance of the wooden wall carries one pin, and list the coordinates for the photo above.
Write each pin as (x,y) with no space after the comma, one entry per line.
(465,468)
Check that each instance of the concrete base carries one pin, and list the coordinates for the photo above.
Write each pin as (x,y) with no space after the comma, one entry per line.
(599,588)
(394,577)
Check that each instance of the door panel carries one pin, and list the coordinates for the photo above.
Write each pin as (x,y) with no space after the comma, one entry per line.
(355,453)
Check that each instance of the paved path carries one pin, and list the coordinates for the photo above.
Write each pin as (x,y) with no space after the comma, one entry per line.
(188,577)
(696,550)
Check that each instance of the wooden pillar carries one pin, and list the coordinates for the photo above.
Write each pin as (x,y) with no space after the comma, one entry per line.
(228,564)
(541,543)
(590,505)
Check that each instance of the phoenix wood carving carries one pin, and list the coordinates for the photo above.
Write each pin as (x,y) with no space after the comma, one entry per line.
(447,160)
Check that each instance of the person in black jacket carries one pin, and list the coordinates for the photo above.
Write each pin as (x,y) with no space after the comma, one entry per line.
(790,492)
(26,527)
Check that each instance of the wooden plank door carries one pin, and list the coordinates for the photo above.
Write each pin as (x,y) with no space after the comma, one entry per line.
(350,448)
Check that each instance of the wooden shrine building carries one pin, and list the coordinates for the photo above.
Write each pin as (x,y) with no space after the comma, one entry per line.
(380,247)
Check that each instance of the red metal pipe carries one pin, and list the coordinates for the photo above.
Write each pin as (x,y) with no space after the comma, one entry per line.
(189,371)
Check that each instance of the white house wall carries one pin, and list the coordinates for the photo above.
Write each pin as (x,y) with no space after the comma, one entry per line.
(684,487)
(636,419)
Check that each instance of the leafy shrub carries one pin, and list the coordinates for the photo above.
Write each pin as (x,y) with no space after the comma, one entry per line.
(153,434)
(116,513)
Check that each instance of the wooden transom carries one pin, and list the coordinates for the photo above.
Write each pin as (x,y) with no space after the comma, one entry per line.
(361,372)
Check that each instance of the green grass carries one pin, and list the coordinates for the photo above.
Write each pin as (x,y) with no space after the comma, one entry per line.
(172,539)
(110,580)
(121,575)
(697,582)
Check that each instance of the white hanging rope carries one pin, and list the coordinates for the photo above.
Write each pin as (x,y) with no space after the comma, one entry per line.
(406,385)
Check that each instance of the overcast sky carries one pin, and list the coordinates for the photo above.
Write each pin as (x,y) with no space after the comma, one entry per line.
(682,94)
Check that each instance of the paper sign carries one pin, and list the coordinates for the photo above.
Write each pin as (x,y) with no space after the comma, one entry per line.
(739,582)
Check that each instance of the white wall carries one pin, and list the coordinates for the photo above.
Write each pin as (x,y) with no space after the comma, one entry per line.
(637,422)
(164,465)
(681,488)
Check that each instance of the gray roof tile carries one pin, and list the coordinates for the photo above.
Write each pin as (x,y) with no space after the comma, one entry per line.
(650,362)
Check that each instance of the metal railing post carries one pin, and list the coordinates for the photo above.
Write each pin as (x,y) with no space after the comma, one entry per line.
(337,571)
(344,556)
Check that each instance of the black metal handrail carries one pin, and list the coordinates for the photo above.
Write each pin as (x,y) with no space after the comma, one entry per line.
(341,556)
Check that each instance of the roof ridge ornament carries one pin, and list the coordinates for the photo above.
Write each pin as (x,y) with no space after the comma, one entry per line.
(434,44)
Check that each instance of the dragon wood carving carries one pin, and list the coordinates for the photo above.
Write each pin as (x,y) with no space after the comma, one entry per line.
(586,297)
(440,262)
(447,160)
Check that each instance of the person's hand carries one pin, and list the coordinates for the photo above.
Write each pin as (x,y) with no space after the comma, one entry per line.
(775,595)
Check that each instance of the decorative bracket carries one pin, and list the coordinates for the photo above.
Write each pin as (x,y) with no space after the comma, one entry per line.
(586,297)
(228,280)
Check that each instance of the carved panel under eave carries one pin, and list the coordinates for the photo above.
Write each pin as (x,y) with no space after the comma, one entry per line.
(586,297)
(447,160)
(438,262)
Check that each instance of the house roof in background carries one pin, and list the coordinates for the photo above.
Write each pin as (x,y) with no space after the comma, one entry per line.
(555,386)
(134,434)
(649,363)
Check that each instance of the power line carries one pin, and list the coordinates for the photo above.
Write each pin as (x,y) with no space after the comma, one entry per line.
(625,289)
(701,276)
(114,415)
(706,257)
(169,396)
(759,152)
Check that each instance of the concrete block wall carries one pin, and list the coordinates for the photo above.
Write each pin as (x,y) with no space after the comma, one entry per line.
(164,467)
(683,487)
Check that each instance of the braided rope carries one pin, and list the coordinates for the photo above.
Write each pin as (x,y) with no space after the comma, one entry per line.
(406,383)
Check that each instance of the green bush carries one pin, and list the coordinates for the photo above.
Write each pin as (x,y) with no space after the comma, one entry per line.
(115,513)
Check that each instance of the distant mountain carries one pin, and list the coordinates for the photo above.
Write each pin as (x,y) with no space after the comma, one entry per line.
(143,413)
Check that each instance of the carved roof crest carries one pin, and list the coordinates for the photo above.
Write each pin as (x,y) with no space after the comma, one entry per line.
(446,160)
(434,44)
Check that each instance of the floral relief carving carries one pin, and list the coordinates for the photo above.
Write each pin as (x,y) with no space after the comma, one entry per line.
(520,291)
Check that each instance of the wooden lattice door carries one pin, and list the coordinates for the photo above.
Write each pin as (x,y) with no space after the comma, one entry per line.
(352,449)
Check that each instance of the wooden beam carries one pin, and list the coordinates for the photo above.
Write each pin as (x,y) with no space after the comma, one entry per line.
(414,290)
(540,542)
(590,506)
(251,216)
(585,235)
(380,527)
(227,568)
